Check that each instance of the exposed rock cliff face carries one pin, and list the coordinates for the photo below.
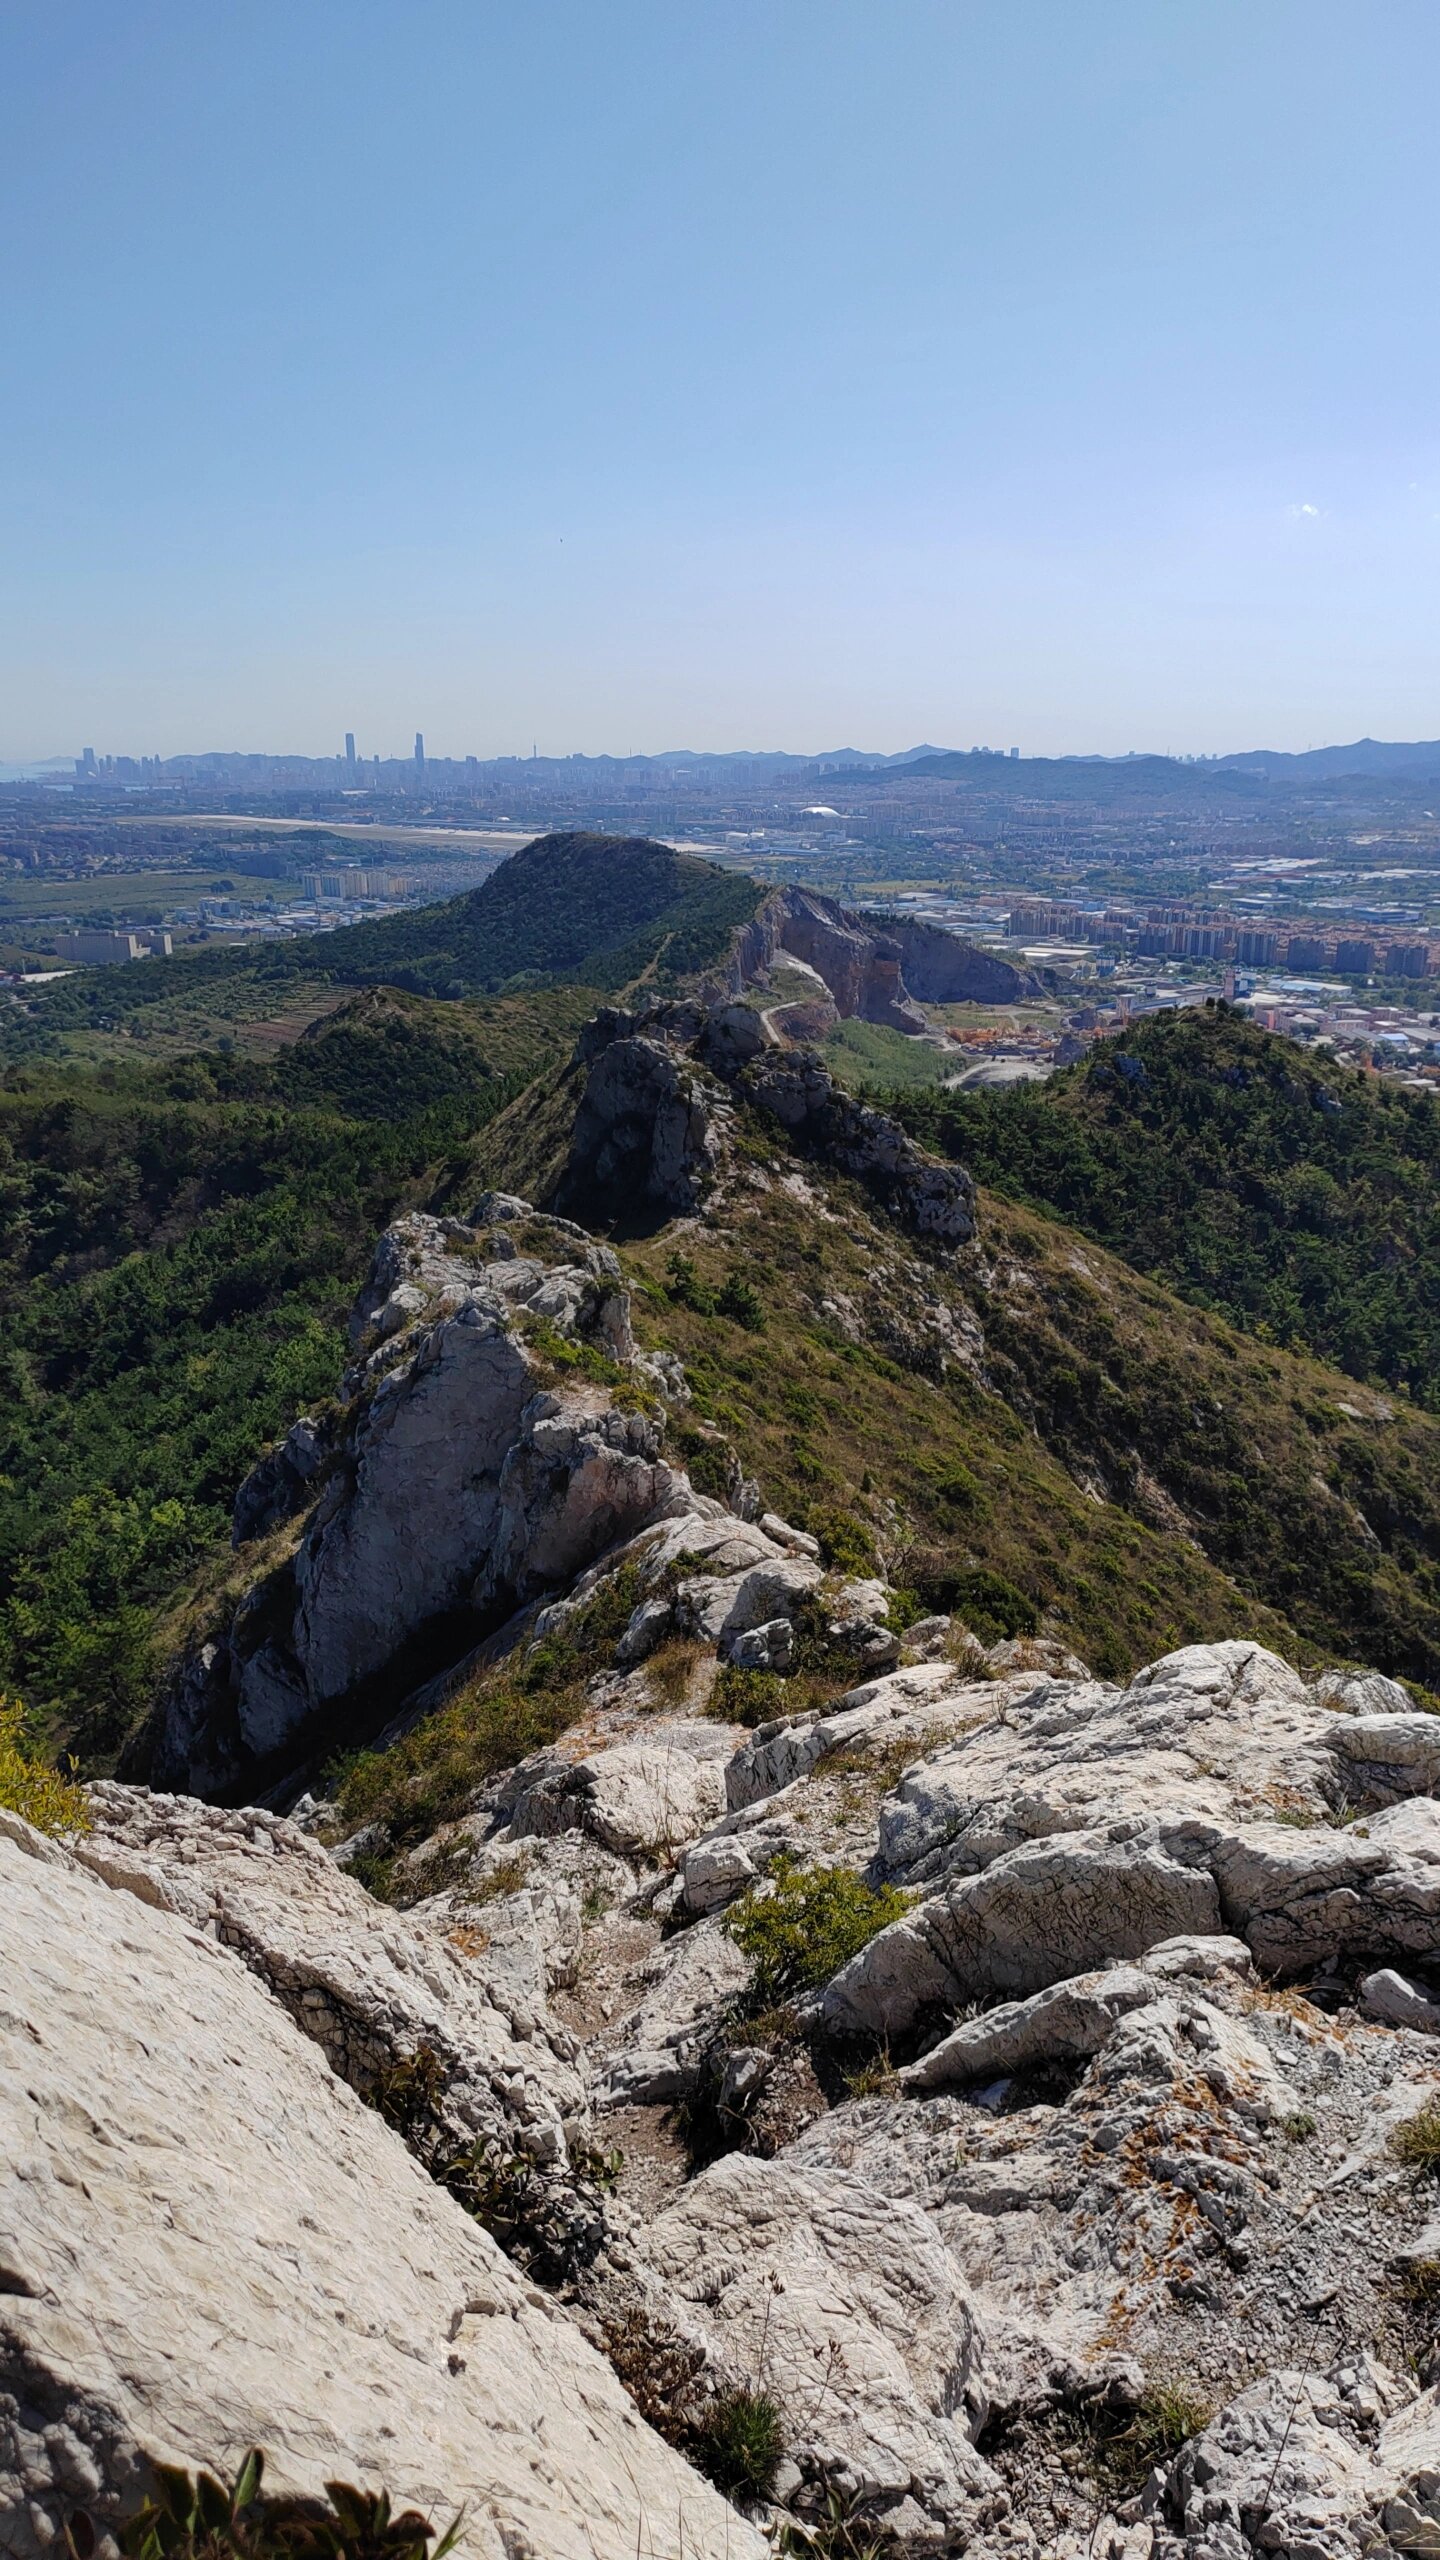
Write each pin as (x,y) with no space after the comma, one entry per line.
(661,1082)
(877,967)
(467,1476)
(1038,2042)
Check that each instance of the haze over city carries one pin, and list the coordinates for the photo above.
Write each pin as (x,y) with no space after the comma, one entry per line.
(726,378)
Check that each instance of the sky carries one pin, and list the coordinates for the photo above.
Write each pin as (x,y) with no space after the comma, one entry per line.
(718,374)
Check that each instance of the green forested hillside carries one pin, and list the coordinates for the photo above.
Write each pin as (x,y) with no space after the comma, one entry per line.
(1296,1197)
(588,910)
(179,1247)
(178,1252)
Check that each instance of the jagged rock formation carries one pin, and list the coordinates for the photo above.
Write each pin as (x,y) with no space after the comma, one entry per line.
(1105,2180)
(209,2242)
(659,1095)
(466,1477)
(876,967)
(367,1984)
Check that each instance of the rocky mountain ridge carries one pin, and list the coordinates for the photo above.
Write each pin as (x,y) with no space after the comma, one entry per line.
(957,2102)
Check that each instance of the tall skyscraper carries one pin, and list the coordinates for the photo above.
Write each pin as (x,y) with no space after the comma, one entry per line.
(419,752)
(350,746)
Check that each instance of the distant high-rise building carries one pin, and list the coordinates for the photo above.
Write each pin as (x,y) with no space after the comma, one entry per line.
(1354,959)
(350,746)
(419,752)
(1305,951)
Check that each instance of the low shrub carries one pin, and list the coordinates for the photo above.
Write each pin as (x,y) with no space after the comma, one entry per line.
(735,1298)
(1166,2416)
(44,1797)
(845,1543)
(842,2533)
(746,1697)
(988,1602)
(739,2443)
(800,1929)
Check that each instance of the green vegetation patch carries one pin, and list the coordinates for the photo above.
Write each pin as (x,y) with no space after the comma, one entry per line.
(805,1923)
(1264,1182)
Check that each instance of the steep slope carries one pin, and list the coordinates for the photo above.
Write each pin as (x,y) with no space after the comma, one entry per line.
(178,1253)
(1010,2018)
(1295,1197)
(1133,1469)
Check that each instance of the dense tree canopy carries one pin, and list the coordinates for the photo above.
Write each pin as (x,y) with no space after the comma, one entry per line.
(1261,1180)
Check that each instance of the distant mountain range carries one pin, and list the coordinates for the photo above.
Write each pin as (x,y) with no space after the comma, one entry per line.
(1382,758)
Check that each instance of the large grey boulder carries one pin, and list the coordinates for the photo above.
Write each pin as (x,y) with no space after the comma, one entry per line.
(209,2243)
(1039,1914)
(642,1799)
(851,2313)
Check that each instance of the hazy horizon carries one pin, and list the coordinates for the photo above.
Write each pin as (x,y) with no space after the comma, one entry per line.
(1065,380)
(61,762)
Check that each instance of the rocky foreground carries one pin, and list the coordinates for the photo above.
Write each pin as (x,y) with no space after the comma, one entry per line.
(1026,2086)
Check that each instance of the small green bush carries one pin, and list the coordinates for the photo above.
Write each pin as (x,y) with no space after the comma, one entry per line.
(740,1302)
(746,1697)
(845,1543)
(811,1921)
(1167,2415)
(42,1796)
(740,2443)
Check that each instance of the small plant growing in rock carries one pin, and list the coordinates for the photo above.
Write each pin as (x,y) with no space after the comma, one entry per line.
(1165,2417)
(1298,2128)
(661,2371)
(840,2534)
(550,2226)
(1417,2142)
(195,2517)
(806,1925)
(44,1797)
(739,2443)
(407,2093)
(875,2077)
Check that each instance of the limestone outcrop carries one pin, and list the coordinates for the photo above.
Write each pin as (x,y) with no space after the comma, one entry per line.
(208,2242)
(470,1472)
(369,1985)
(660,1086)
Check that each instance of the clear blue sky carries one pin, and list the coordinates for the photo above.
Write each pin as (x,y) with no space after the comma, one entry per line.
(646,373)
